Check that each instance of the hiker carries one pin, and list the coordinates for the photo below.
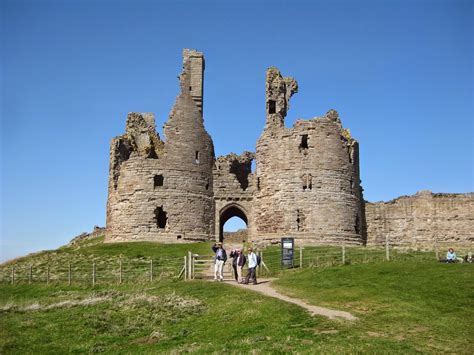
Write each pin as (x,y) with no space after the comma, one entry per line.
(451,256)
(252,258)
(220,259)
(238,263)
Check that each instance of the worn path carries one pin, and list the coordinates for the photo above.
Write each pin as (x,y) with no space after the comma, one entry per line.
(264,287)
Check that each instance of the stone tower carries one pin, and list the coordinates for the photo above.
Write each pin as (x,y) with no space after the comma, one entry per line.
(163,191)
(308,183)
(196,70)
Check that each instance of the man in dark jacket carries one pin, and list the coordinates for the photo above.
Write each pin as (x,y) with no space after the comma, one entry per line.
(220,259)
(238,262)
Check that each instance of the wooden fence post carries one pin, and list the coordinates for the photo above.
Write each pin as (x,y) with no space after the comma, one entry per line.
(301,257)
(343,254)
(151,270)
(185,268)
(93,274)
(69,274)
(47,275)
(387,252)
(190,267)
(120,271)
(30,275)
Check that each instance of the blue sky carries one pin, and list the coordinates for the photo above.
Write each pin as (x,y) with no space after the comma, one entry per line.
(399,73)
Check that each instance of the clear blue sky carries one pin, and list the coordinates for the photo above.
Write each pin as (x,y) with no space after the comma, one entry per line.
(400,74)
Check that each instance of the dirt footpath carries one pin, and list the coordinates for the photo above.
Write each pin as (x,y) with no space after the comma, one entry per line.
(264,287)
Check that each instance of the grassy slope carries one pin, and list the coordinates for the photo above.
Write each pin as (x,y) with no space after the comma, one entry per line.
(426,306)
(403,308)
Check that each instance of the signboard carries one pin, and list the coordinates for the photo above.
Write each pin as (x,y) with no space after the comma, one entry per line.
(287,251)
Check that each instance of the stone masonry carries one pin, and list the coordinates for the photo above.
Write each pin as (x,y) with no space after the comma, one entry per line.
(422,220)
(306,184)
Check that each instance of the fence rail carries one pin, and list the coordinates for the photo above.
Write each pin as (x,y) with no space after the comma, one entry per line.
(93,272)
(192,266)
(324,256)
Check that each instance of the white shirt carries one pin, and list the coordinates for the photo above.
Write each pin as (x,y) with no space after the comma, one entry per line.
(252,260)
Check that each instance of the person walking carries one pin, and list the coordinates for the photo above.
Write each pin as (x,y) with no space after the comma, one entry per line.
(220,258)
(252,259)
(238,263)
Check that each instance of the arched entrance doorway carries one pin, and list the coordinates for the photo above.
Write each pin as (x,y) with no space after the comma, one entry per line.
(227,213)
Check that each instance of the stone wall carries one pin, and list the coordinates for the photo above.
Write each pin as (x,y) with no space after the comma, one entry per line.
(422,220)
(308,182)
(234,187)
(163,191)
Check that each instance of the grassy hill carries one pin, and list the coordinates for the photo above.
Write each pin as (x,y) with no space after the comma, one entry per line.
(410,306)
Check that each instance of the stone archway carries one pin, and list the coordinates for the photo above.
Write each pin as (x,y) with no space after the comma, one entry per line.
(229,211)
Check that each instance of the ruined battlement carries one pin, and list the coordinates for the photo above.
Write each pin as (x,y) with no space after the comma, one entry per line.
(306,184)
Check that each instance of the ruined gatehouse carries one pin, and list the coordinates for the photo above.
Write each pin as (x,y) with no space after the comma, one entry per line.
(306,182)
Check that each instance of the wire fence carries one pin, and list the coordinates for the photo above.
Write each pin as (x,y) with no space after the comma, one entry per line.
(99,271)
(326,256)
(103,270)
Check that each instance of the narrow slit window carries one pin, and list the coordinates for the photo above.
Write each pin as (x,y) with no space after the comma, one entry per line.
(197,157)
(271,106)
(304,142)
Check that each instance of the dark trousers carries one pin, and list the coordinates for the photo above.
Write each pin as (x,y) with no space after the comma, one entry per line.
(234,266)
(251,275)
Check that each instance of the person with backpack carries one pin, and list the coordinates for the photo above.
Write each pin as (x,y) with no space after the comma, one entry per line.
(220,259)
(253,263)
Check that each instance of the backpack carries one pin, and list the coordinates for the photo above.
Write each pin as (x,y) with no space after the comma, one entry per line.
(259,260)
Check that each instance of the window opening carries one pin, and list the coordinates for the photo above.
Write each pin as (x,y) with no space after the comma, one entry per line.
(307,182)
(197,157)
(304,142)
(160,216)
(158,180)
(271,106)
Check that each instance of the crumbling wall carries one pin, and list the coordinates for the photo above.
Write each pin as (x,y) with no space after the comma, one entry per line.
(234,186)
(164,191)
(307,177)
(421,220)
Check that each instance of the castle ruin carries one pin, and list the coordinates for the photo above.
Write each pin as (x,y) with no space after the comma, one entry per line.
(306,184)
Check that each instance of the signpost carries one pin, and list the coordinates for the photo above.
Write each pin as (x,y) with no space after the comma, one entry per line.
(287,251)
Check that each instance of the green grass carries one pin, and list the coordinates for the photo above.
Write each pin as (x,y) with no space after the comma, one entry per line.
(402,308)
(135,258)
(412,306)
(427,306)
